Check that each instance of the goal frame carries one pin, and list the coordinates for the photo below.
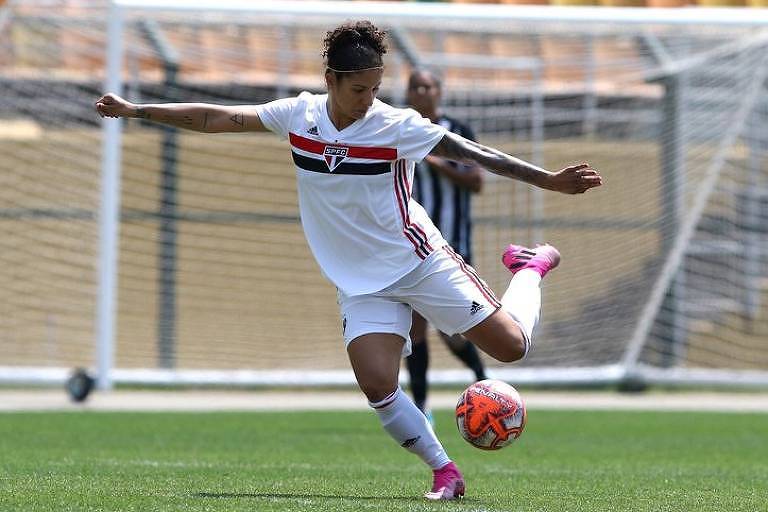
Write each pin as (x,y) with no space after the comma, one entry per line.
(628,369)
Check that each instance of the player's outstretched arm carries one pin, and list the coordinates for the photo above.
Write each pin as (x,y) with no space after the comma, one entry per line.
(575,179)
(200,117)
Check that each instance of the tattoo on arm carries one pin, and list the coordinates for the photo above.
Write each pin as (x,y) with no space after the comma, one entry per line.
(456,147)
(238,119)
(198,117)
(176,120)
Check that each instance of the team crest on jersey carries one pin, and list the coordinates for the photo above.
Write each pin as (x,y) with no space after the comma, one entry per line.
(334,155)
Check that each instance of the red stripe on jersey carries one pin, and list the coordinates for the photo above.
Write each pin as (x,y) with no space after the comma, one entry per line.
(318,147)
(413,225)
(403,214)
(418,244)
(472,274)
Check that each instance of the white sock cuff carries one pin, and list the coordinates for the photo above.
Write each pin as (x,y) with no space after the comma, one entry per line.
(387,400)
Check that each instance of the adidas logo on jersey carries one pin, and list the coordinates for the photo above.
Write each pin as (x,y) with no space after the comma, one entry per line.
(313,131)
(475,307)
(334,155)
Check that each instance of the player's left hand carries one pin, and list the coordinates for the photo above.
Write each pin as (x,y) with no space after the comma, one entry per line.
(575,179)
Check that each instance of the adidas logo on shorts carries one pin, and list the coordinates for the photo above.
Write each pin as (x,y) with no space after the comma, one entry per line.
(475,307)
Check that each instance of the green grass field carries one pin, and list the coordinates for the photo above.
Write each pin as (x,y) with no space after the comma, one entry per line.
(565,461)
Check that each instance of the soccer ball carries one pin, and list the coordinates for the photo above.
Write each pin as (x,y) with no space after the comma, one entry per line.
(490,414)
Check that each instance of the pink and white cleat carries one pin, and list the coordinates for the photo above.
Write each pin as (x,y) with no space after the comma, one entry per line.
(448,483)
(542,259)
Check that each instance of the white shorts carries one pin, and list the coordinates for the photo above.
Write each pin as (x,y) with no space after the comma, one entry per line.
(443,289)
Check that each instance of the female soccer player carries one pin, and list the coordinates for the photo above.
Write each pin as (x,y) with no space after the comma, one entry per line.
(354,158)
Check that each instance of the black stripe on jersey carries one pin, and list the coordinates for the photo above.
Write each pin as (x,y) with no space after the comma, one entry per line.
(315,165)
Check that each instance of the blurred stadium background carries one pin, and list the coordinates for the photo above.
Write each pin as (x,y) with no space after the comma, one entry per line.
(665,270)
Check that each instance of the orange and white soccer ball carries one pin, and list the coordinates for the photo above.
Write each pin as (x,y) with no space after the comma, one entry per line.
(490,414)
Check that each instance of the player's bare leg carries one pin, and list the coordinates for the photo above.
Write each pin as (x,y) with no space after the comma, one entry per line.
(375,360)
(506,335)
(499,336)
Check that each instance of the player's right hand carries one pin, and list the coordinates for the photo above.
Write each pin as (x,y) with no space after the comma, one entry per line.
(575,179)
(112,105)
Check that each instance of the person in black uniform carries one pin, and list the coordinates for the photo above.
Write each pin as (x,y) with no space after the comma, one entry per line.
(444,188)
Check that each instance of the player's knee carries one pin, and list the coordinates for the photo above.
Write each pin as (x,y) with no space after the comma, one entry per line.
(513,351)
(377,392)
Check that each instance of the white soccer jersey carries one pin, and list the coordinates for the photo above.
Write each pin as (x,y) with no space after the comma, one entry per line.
(354,188)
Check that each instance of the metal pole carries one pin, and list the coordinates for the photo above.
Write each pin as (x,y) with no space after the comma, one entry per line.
(109,209)
(167,211)
(537,156)
(673,171)
(589,123)
(166,325)
(752,197)
(285,58)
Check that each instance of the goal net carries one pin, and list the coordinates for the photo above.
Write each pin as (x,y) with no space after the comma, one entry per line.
(164,256)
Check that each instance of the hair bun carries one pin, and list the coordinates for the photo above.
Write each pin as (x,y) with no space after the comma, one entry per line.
(355,45)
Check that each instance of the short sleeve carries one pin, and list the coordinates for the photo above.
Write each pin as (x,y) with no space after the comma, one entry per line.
(276,115)
(418,136)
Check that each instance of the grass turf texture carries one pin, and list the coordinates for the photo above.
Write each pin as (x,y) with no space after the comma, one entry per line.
(343,461)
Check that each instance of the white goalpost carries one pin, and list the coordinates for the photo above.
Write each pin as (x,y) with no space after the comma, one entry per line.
(109,211)
(158,256)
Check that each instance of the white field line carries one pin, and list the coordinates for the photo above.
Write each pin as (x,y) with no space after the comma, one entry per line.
(238,400)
